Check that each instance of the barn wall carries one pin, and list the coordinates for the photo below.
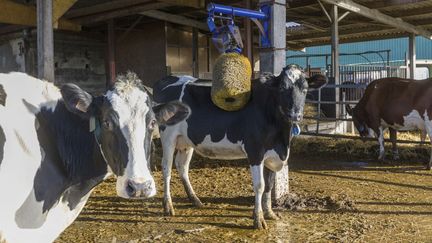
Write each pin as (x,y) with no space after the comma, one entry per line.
(78,58)
(12,56)
(143,51)
(81,60)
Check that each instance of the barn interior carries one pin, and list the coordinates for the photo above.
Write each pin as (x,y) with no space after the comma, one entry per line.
(94,39)
(88,42)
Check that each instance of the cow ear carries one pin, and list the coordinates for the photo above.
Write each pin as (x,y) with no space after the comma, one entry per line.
(348,109)
(317,81)
(269,80)
(171,113)
(76,100)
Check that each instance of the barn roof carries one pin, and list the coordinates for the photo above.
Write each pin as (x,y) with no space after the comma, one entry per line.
(313,28)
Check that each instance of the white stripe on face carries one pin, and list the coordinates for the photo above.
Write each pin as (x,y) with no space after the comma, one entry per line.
(130,104)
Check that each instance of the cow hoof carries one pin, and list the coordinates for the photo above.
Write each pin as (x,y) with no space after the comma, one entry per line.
(270,215)
(259,222)
(168,209)
(197,203)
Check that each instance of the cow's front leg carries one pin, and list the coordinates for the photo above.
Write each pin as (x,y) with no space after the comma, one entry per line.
(380,135)
(168,147)
(258,185)
(269,178)
(393,138)
(182,161)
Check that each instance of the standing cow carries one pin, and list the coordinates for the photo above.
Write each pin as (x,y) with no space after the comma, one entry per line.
(260,132)
(397,104)
(57,145)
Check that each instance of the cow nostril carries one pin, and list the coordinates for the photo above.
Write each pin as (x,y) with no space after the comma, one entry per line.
(147,185)
(131,189)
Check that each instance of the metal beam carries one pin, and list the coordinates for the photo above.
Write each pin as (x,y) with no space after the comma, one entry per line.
(412,55)
(45,40)
(380,17)
(177,19)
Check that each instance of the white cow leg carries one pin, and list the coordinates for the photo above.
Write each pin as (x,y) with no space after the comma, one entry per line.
(269,178)
(380,136)
(258,185)
(182,161)
(167,160)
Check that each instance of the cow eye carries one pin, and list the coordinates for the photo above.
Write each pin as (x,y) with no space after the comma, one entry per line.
(106,124)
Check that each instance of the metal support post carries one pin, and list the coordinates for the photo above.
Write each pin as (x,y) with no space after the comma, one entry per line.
(412,55)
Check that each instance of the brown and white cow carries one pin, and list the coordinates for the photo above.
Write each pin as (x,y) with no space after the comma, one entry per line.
(397,104)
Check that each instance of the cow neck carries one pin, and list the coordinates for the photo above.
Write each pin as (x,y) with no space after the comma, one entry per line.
(266,100)
(79,153)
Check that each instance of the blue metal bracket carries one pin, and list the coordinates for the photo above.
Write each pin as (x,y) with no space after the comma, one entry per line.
(227,36)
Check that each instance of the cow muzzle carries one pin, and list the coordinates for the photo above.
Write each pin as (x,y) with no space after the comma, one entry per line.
(140,188)
(292,117)
(296,117)
(136,188)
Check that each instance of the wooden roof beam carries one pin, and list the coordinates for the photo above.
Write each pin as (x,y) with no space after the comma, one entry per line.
(103,7)
(89,19)
(186,3)
(20,14)
(380,17)
(177,19)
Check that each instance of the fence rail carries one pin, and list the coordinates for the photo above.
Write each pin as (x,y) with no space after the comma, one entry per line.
(353,80)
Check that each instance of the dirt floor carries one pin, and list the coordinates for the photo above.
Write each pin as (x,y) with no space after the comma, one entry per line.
(339,194)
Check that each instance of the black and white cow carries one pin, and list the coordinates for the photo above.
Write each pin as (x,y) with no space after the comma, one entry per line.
(56,145)
(260,132)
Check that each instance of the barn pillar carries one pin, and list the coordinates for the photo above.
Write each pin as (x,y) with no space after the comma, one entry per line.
(195,48)
(273,60)
(335,60)
(412,55)
(248,50)
(111,54)
(45,40)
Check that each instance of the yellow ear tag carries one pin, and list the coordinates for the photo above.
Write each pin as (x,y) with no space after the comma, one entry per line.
(92,124)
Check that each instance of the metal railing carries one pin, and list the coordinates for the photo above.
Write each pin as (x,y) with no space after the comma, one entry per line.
(353,80)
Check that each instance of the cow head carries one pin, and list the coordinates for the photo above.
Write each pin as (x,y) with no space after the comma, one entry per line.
(292,86)
(123,121)
(358,120)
